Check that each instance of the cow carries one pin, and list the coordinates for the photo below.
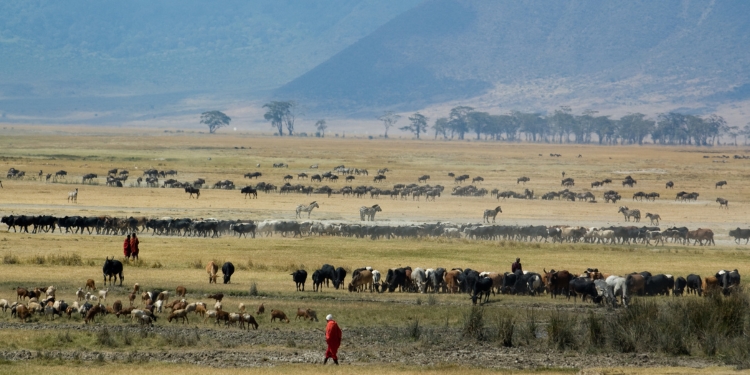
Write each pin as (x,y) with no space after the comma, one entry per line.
(481,286)
(679,286)
(584,287)
(420,279)
(711,285)
(699,235)
(728,280)
(694,284)
(328,273)
(212,269)
(635,284)
(339,276)
(557,282)
(318,280)
(362,280)
(112,268)
(396,279)
(228,270)
(299,277)
(451,280)
(617,286)
(659,285)
(740,234)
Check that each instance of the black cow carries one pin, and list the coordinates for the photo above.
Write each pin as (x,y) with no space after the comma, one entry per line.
(340,275)
(694,284)
(728,280)
(658,284)
(509,283)
(467,279)
(584,287)
(395,278)
(482,286)
(436,279)
(318,280)
(299,277)
(328,273)
(679,286)
(227,269)
(112,268)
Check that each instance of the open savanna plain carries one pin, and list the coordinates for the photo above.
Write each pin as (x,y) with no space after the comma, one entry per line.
(383,332)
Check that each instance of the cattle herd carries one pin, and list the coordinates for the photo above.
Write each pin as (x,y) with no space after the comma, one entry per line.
(106,225)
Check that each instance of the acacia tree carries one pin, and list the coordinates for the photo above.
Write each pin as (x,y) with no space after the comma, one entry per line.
(441,127)
(215,120)
(459,120)
(321,126)
(418,124)
(389,119)
(281,113)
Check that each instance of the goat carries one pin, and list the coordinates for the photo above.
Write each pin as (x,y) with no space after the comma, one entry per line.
(103,294)
(90,284)
(80,294)
(278,314)
(181,313)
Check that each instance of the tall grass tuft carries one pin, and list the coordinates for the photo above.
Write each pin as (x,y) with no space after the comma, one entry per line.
(254,289)
(10,259)
(505,326)
(196,264)
(561,331)
(473,325)
(414,330)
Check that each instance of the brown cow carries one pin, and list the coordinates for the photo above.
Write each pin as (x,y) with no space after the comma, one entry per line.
(451,280)
(700,235)
(558,282)
(362,280)
(181,291)
(212,269)
(711,285)
(497,281)
(90,284)
(635,284)
(278,314)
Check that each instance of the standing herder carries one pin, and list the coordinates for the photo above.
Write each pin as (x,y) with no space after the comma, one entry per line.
(333,339)
(516,266)
(134,246)
(126,248)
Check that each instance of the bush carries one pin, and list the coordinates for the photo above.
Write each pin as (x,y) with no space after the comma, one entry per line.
(431,300)
(10,259)
(65,260)
(254,289)
(505,326)
(413,330)
(474,323)
(561,331)
(103,337)
(196,264)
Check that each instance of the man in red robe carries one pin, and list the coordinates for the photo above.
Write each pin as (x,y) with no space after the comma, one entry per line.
(126,248)
(134,246)
(333,338)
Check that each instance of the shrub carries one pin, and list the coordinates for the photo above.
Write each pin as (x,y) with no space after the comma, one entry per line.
(254,289)
(197,264)
(561,333)
(10,259)
(413,330)
(505,326)
(474,323)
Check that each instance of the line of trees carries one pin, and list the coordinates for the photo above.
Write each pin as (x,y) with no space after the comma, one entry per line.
(563,126)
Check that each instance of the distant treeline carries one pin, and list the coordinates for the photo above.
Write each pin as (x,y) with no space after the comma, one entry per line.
(565,127)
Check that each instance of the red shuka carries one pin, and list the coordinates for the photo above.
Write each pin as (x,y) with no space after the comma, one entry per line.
(333,338)
(126,247)
(134,245)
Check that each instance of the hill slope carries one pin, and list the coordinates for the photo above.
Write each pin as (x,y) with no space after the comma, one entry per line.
(520,52)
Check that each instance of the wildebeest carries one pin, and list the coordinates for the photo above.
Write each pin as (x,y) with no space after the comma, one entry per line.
(670,185)
(523,179)
(249,190)
(491,213)
(227,269)
(112,268)
(423,178)
(299,277)
(740,234)
(720,184)
(192,190)
(723,203)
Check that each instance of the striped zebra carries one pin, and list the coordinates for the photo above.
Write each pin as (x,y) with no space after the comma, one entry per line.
(491,214)
(653,218)
(302,208)
(635,214)
(369,212)
(73,196)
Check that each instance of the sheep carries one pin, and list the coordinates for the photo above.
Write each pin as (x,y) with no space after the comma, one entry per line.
(147,320)
(278,314)
(209,314)
(90,284)
(51,291)
(138,314)
(180,313)
(261,309)
(4,304)
(181,291)
(103,294)
(136,288)
(145,298)
(177,305)
(35,307)
(158,305)
(221,315)
(312,315)
(124,311)
(301,313)
(80,294)
(217,305)
(163,296)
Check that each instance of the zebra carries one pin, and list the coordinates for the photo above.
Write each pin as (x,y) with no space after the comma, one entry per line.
(635,214)
(653,218)
(73,196)
(491,213)
(369,212)
(302,208)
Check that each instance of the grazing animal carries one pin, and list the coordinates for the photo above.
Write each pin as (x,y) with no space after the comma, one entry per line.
(720,184)
(299,277)
(249,190)
(483,286)
(302,208)
(90,284)
(670,185)
(628,213)
(654,218)
(723,203)
(740,234)
(423,179)
(694,284)
(112,268)
(523,179)
(193,190)
(212,269)
(218,296)
(261,309)
(180,291)
(103,294)
(491,213)
(227,269)
(80,294)
(278,314)
(73,196)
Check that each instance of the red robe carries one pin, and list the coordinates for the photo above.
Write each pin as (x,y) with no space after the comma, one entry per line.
(134,245)
(333,338)
(126,247)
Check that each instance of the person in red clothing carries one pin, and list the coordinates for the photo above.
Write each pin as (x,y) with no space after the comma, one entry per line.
(333,338)
(126,248)
(134,246)
(516,266)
